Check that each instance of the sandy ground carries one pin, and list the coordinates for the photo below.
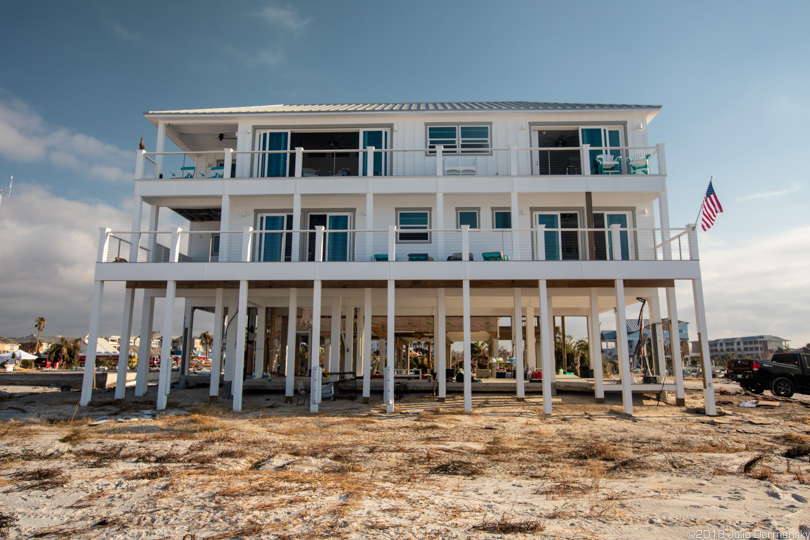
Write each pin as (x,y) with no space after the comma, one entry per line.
(427,471)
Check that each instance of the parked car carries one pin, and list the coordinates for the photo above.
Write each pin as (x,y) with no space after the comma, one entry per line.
(783,375)
(43,362)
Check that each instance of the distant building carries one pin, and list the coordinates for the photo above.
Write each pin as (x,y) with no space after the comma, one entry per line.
(757,347)
(29,343)
(8,345)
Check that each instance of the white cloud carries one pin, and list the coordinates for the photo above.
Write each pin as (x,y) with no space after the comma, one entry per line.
(26,137)
(269,58)
(124,33)
(49,247)
(794,187)
(285,17)
(760,287)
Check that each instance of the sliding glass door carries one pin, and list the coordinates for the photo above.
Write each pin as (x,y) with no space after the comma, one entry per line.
(560,244)
(603,242)
(274,246)
(379,140)
(336,244)
(272,164)
(600,138)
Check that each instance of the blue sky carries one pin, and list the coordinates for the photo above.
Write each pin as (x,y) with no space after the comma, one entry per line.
(732,77)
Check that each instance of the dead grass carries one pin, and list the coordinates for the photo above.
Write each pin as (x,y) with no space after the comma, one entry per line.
(40,479)
(152,473)
(7,522)
(597,449)
(456,467)
(505,525)
(799,450)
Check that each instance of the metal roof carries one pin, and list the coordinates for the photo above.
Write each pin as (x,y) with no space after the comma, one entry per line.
(403,107)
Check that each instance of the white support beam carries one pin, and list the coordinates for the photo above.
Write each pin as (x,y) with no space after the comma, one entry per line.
(517,335)
(239,357)
(595,347)
(621,349)
(92,343)
(261,337)
(145,345)
(216,350)
(348,357)
(546,344)
(440,335)
(705,357)
(391,343)
(366,345)
(315,343)
(164,380)
(296,237)
(123,344)
(530,351)
(675,347)
(334,361)
(291,352)
(467,345)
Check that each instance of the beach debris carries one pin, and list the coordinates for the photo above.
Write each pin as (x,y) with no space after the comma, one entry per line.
(99,422)
(753,462)
(748,404)
(797,451)
(7,521)
(456,467)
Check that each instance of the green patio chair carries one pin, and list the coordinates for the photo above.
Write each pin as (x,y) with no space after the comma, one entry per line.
(639,163)
(608,164)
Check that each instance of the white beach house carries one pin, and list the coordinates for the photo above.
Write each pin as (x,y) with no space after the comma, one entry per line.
(470,211)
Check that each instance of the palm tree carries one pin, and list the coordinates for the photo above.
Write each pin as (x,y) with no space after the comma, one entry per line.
(66,352)
(40,326)
(207,340)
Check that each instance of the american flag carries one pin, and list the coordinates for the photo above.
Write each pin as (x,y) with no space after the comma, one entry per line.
(711,207)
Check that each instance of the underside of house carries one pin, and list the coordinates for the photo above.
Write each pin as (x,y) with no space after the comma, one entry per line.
(320,234)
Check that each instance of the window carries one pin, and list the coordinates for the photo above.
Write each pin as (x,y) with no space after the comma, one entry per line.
(214,249)
(560,245)
(501,219)
(459,139)
(467,216)
(274,246)
(413,220)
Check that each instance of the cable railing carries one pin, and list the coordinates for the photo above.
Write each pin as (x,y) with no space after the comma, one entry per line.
(400,244)
(436,161)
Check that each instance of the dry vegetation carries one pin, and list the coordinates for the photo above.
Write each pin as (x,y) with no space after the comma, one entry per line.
(427,472)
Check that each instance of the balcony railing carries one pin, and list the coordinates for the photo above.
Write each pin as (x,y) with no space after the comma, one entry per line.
(305,163)
(393,244)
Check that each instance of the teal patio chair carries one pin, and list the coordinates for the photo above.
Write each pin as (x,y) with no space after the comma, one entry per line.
(217,172)
(639,163)
(608,164)
(188,172)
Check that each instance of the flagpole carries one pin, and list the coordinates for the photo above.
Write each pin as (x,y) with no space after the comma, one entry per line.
(703,202)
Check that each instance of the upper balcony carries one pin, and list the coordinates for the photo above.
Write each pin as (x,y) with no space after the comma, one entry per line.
(632,163)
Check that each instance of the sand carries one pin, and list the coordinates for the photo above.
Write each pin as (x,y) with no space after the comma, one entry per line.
(427,471)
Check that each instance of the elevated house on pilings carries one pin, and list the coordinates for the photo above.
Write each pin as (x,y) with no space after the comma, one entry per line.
(349,212)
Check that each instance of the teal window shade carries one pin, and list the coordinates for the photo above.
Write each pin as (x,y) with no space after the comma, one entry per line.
(502,219)
(468,217)
(593,137)
(337,243)
(274,246)
(621,220)
(379,140)
(552,238)
(273,164)
(214,247)
(413,221)
(446,136)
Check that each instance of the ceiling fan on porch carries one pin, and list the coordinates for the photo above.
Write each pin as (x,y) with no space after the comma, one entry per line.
(222,136)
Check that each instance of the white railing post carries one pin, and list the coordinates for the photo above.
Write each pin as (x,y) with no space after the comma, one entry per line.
(465,243)
(227,163)
(141,157)
(103,243)
(299,161)
(439,160)
(513,164)
(541,242)
(585,158)
(247,238)
(662,162)
(319,243)
(693,243)
(370,161)
(616,241)
(174,249)
(392,243)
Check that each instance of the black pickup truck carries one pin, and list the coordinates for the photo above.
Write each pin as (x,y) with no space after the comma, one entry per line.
(783,375)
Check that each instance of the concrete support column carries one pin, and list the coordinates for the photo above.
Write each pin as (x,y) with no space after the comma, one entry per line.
(517,334)
(145,345)
(261,337)
(239,356)
(123,348)
(705,357)
(595,347)
(657,336)
(467,345)
(621,349)
(675,347)
(315,346)
(391,344)
(366,345)
(440,335)
(92,343)
(530,349)
(216,350)
(546,344)
(290,351)
(334,361)
(165,377)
